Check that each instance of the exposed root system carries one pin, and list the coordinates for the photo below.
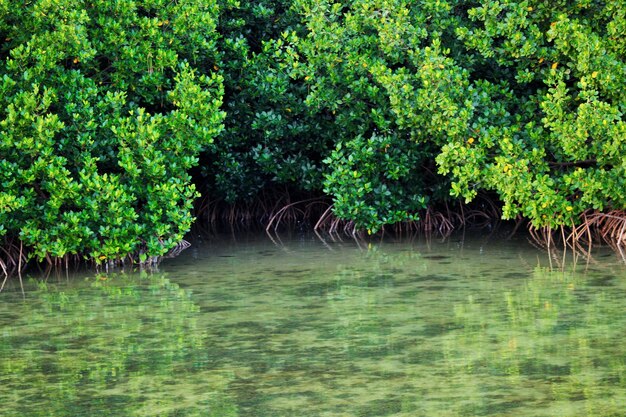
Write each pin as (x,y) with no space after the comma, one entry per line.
(176,250)
(275,211)
(13,260)
(270,209)
(592,229)
(279,211)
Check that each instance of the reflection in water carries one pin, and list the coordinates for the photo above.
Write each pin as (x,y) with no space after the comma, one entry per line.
(118,345)
(251,329)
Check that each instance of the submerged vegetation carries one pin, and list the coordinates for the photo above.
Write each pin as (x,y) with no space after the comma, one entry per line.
(381,112)
(420,328)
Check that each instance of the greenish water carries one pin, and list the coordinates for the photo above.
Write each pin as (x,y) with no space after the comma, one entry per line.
(249,328)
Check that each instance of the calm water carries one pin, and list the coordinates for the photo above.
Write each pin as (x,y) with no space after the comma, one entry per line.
(250,328)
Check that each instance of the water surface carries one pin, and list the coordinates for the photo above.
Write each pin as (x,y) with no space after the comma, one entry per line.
(300,327)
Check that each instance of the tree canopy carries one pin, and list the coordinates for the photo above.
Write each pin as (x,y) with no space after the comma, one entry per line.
(105,107)
(386,106)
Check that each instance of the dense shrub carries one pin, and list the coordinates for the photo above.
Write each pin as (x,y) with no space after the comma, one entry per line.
(524,98)
(558,147)
(104,107)
(394,94)
(387,106)
(271,137)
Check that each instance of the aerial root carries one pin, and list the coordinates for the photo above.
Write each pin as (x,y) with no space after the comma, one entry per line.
(593,228)
(176,250)
(13,260)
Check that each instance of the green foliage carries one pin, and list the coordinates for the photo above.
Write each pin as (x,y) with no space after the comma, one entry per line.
(103,114)
(522,98)
(373,181)
(558,149)
(395,95)
(385,105)
(270,137)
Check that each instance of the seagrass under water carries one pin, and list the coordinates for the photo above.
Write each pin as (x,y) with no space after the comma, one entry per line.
(306,328)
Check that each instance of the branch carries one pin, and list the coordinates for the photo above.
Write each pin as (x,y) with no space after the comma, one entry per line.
(583,164)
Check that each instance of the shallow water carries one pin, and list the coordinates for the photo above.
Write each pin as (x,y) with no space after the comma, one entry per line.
(248,327)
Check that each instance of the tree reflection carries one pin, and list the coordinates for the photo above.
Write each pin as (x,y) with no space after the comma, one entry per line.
(124,344)
(391,330)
